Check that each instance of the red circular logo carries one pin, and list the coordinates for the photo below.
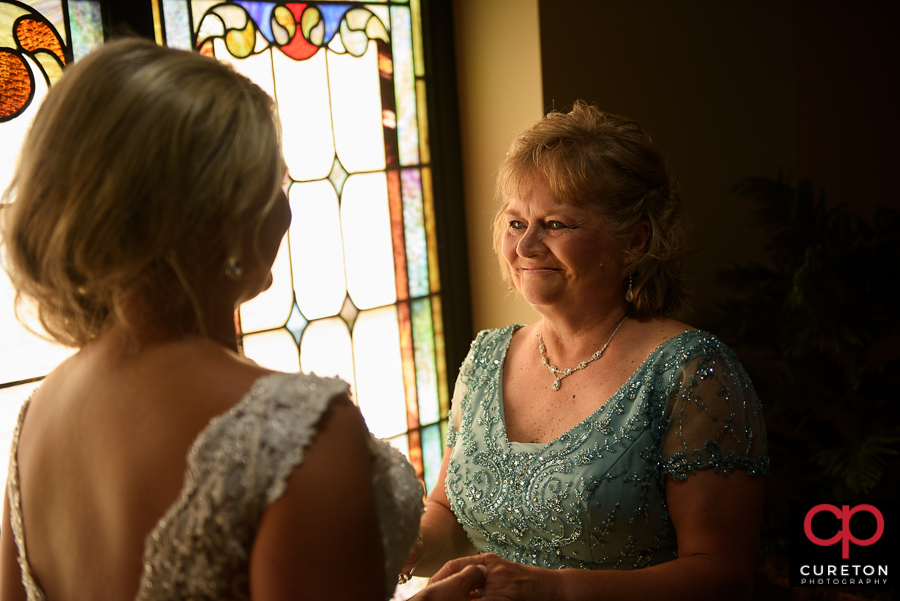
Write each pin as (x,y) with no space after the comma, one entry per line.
(844,514)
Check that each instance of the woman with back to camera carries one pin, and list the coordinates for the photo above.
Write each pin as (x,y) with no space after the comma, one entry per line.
(158,463)
(607,451)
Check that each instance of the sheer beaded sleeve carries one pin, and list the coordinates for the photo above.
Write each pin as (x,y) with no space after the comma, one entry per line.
(460,391)
(714,416)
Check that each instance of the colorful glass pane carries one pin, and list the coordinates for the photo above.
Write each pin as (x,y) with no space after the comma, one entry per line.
(308,143)
(414,232)
(317,255)
(86,23)
(275,350)
(356,110)
(368,251)
(178,30)
(327,350)
(404,86)
(426,372)
(346,78)
(379,371)
(432,454)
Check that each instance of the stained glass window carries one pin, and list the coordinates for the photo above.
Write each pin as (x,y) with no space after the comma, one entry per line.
(357,288)
(37,40)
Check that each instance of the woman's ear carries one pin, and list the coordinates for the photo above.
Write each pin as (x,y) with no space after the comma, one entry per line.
(637,244)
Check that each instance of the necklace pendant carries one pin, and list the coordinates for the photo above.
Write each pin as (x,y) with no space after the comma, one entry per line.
(555,386)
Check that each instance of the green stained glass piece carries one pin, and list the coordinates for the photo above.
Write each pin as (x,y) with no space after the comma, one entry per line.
(405,85)
(338,176)
(349,312)
(426,369)
(86,23)
(296,323)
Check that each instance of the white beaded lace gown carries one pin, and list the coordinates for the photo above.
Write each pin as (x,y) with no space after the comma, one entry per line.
(237,467)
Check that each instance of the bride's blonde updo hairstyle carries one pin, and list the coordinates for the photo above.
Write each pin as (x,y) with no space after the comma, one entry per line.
(595,159)
(133,153)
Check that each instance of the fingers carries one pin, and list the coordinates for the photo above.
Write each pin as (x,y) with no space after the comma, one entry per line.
(457,565)
(455,587)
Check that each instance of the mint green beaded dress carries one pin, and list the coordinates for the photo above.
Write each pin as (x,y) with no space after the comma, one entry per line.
(594,498)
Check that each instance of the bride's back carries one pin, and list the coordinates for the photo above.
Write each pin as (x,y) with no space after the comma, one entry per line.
(102,457)
(134,225)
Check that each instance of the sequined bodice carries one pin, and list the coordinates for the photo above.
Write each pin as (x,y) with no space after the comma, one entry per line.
(594,498)
(237,467)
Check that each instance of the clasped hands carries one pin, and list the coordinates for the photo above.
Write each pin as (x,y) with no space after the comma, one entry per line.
(500,580)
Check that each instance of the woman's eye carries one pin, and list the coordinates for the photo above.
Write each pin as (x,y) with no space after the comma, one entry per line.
(556,225)
(516,225)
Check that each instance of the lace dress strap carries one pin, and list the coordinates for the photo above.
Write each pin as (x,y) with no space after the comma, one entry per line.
(15,512)
(237,467)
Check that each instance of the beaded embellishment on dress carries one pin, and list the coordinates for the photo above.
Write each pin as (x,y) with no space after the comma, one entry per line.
(594,498)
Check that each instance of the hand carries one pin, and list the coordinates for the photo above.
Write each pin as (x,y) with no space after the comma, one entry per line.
(454,587)
(506,581)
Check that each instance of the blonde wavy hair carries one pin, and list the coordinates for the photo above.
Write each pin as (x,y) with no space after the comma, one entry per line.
(135,150)
(607,162)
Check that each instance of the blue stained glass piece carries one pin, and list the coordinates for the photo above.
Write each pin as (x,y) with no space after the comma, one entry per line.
(333,13)
(296,323)
(261,13)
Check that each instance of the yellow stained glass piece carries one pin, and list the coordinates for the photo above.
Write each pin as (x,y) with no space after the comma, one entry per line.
(368,251)
(376,31)
(233,16)
(241,42)
(273,350)
(379,371)
(316,250)
(310,20)
(285,18)
(8,14)
(357,111)
(271,308)
(326,350)
(308,142)
(52,67)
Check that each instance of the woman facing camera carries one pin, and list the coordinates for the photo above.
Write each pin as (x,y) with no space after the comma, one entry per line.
(608,450)
(157,462)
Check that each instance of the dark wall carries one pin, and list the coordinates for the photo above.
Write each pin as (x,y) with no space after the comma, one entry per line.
(729,90)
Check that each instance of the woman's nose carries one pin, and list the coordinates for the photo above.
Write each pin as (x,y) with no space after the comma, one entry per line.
(530,243)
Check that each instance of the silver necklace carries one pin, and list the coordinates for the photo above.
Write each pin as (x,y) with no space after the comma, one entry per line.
(560,374)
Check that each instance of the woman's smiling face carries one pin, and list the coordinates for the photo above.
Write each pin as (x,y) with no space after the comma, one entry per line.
(559,252)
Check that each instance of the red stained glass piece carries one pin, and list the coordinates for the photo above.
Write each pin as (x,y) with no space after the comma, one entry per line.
(35,35)
(15,84)
(298,48)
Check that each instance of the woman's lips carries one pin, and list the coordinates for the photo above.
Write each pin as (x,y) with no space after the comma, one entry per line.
(537,270)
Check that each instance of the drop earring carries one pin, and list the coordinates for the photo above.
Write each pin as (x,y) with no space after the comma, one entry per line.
(629,296)
(233,270)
